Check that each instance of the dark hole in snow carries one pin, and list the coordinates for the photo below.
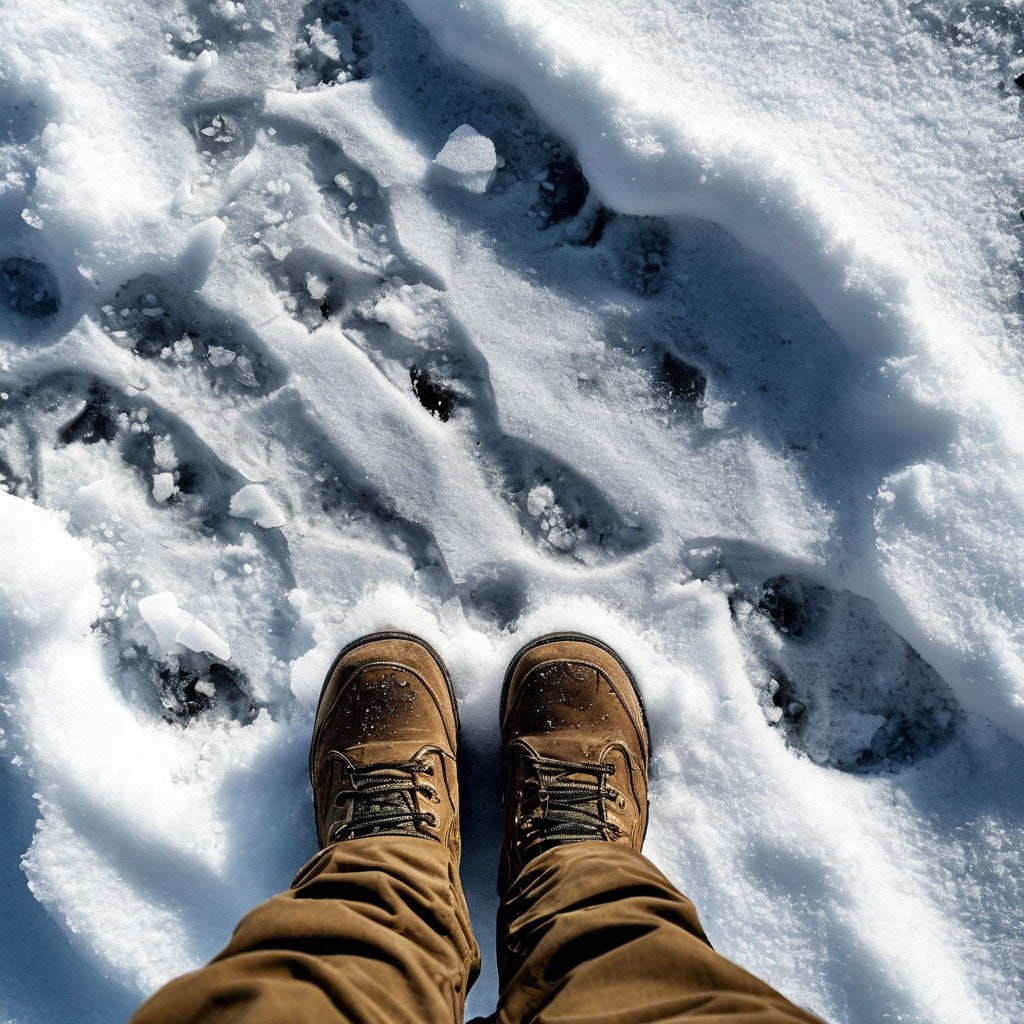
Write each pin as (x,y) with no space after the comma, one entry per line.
(187,478)
(28,287)
(437,398)
(96,422)
(790,605)
(595,230)
(187,693)
(682,382)
(1019,81)
(566,192)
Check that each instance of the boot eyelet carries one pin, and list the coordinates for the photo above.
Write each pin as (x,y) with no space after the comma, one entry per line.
(430,820)
(426,768)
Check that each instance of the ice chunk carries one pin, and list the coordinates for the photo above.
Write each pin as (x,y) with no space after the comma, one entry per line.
(468,159)
(162,614)
(197,636)
(202,66)
(173,625)
(254,502)
(220,356)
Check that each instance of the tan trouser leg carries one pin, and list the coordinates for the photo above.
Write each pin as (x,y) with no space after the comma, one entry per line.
(598,935)
(373,931)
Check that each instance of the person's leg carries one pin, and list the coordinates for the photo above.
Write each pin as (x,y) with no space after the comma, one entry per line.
(374,929)
(597,934)
(590,931)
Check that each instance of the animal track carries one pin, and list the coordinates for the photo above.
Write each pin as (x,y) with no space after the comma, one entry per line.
(28,287)
(205,25)
(80,445)
(184,39)
(158,320)
(311,293)
(220,136)
(838,683)
(562,190)
(563,512)
(331,46)
(438,398)
(682,383)
(186,685)
(643,246)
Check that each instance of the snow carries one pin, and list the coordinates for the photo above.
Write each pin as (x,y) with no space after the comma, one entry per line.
(255,503)
(719,360)
(468,159)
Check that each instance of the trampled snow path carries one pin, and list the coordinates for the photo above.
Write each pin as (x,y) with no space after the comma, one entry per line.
(272,376)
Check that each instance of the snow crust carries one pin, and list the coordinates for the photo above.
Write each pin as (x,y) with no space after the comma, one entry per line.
(712,351)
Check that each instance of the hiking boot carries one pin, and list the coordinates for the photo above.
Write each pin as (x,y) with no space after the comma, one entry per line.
(576,750)
(382,760)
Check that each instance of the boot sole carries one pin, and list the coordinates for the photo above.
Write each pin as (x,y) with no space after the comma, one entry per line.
(548,638)
(386,634)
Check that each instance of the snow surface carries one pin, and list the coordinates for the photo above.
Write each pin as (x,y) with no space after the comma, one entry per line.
(739,391)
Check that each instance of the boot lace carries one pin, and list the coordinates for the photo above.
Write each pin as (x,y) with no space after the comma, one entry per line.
(570,802)
(383,799)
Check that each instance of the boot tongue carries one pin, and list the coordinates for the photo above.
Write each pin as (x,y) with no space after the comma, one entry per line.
(365,755)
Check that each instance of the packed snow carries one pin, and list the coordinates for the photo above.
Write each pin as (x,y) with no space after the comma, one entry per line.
(691,325)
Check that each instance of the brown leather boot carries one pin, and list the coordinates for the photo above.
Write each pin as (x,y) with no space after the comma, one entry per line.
(382,760)
(576,750)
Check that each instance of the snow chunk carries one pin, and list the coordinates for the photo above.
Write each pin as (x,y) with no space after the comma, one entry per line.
(163,486)
(468,158)
(201,248)
(540,498)
(93,503)
(173,625)
(254,502)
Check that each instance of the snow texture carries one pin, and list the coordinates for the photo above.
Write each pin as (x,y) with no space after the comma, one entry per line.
(695,326)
